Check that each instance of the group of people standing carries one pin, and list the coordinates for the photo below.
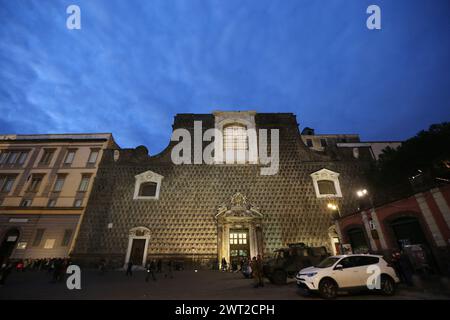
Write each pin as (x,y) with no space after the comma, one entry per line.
(250,269)
(56,267)
(152,267)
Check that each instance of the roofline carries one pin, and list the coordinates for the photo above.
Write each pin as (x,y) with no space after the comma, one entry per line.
(331,134)
(55,137)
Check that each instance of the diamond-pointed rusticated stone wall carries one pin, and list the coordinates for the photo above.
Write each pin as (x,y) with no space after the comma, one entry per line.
(182,221)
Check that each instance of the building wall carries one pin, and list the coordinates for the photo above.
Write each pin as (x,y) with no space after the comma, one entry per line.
(65,212)
(27,224)
(182,221)
(431,208)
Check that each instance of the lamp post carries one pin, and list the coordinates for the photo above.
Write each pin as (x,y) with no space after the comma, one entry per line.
(335,207)
(362,193)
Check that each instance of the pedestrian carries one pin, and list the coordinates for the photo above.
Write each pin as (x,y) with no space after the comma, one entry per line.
(159,266)
(150,271)
(5,271)
(224,264)
(257,269)
(169,272)
(129,269)
(406,268)
(102,266)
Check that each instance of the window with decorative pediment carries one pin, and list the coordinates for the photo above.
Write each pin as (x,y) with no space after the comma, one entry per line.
(147,186)
(238,143)
(235,137)
(326,184)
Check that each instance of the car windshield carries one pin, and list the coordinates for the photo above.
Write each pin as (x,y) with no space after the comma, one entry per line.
(328,262)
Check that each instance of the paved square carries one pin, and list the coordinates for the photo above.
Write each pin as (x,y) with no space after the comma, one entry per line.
(204,284)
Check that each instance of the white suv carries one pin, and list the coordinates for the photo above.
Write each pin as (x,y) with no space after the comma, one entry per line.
(349,272)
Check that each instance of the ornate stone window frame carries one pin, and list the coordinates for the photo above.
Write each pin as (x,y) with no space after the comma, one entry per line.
(133,234)
(325,174)
(243,118)
(147,176)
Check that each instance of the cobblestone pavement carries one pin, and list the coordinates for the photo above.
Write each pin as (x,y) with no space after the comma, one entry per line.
(185,285)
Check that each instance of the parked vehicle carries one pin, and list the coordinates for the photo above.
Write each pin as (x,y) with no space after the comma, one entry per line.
(348,272)
(287,261)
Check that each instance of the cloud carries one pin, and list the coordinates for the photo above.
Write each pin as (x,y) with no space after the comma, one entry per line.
(134,65)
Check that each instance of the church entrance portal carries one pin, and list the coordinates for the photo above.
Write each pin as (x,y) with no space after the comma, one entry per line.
(239,230)
(239,245)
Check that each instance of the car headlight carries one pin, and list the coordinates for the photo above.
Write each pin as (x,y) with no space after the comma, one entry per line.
(311,274)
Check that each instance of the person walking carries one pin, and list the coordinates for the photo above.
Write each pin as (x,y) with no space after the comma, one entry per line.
(5,271)
(257,268)
(169,270)
(150,271)
(159,266)
(224,264)
(406,268)
(129,269)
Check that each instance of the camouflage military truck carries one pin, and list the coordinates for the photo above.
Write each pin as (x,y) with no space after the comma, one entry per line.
(288,261)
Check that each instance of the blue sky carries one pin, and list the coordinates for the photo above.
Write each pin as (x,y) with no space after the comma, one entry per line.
(135,64)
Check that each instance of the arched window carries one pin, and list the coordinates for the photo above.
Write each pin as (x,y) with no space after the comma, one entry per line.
(235,143)
(326,187)
(235,137)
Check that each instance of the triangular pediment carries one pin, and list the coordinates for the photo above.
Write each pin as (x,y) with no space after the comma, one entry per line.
(148,176)
(324,174)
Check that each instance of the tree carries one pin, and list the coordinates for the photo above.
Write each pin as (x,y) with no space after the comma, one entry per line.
(420,162)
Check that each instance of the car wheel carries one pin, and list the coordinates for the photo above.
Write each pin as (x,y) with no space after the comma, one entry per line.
(387,286)
(279,277)
(328,289)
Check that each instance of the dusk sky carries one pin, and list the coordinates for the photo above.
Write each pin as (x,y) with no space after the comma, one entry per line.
(135,64)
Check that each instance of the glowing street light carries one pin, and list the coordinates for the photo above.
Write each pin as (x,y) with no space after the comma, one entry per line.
(332,206)
(361,193)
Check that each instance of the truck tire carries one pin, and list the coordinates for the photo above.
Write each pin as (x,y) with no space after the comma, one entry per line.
(279,277)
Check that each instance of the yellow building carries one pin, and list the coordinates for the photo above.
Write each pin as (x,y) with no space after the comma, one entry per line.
(45,182)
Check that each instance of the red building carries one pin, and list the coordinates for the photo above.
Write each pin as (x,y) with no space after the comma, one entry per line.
(422,219)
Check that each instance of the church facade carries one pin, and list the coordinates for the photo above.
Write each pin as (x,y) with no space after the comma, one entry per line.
(148,207)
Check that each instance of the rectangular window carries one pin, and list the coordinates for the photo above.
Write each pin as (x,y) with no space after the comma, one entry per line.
(309,143)
(3,156)
(326,187)
(66,238)
(13,156)
(59,183)
(47,156)
(35,183)
(49,244)
(51,203)
(38,237)
(93,156)
(148,189)
(26,203)
(78,203)
(70,156)
(323,142)
(6,183)
(84,184)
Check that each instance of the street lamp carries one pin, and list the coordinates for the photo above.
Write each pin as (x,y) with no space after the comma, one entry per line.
(361,193)
(334,207)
